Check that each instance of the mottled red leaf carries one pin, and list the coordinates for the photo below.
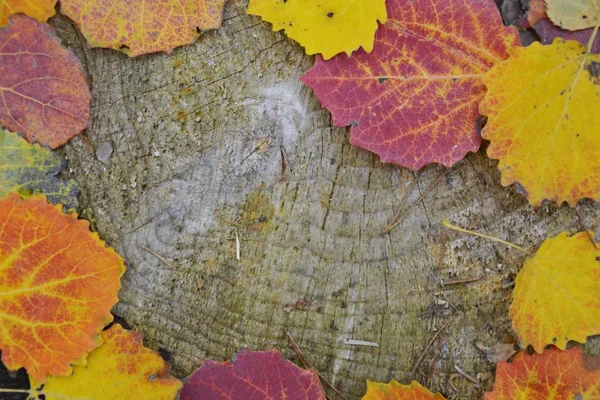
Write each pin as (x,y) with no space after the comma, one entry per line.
(414,99)
(547,32)
(253,376)
(43,92)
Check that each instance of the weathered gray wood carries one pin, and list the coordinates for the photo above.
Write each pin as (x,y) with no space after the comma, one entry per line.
(197,138)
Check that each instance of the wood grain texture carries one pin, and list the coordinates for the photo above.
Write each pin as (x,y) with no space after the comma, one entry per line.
(196,138)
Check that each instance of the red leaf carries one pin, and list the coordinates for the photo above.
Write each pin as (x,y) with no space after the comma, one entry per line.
(43,93)
(253,376)
(547,32)
(414,99)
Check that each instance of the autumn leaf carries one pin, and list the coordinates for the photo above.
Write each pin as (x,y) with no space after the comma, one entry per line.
(139,26)
(31,169)
(539,123)
(43,93)
(554,374)
(537,11)
(58,282)
(414,99)
(253,376)
(547,32)
(38,9)
(554,299)
(574,15)
(122,368)
(397,391)
(326,27)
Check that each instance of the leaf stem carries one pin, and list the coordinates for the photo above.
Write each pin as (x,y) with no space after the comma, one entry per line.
(592,39)
(492,238)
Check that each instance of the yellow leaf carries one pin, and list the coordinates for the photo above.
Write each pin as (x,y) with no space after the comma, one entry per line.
(397,391)
(327,27)
(556,293)
(38,9)
(122,368)
(540,124)
(574,14)
(141,26)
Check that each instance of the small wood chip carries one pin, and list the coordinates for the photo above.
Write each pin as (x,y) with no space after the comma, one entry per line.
(361,343)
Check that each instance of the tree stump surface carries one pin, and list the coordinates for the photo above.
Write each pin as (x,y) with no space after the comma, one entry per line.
(197,139)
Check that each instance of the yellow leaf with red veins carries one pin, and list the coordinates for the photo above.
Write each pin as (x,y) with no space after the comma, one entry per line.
(574,14)
(397,391)
(38,9)
(122,368)
(554,374)
(539,121)
(58,282)
(143,26)
(555,296)
(326,27)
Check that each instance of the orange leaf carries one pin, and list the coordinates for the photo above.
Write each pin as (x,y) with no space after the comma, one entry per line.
(143,26)
(58,282)
(397,391)
(43,93)
(554,296)
(122,368)
(537,11)
(38,9)
(554,374)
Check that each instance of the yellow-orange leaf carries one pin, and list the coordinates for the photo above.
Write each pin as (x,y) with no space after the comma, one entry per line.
(540,124)
(38,9)
(556,293)
(574,14)
(555,374)
(142,26)
(122,368)
(397,391)
(58,282)
(326,27)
